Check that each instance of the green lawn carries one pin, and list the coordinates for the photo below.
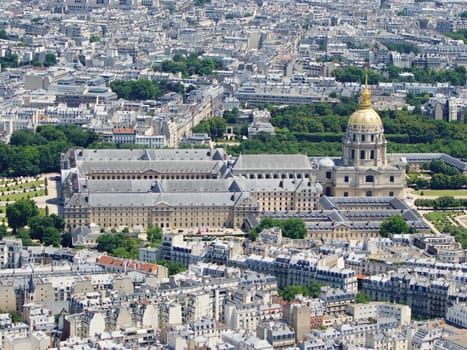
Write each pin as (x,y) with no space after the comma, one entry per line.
(439,193)
(16,196)
(12,186)
(439,218)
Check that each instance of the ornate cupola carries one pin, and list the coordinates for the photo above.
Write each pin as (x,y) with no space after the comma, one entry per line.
(363,143)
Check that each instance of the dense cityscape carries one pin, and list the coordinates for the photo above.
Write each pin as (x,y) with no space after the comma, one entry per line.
(233,175)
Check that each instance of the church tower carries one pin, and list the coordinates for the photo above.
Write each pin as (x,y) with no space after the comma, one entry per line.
(365,170)
(364,143)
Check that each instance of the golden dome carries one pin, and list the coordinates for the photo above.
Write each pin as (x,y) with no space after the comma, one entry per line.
(365,119)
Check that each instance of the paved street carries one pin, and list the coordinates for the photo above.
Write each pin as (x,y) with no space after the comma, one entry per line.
(51,200)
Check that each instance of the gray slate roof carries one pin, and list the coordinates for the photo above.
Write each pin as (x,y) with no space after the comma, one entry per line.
(143,154)
(158,166)
(272,162)
(125,200)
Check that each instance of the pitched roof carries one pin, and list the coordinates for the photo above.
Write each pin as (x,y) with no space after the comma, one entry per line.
(272,162)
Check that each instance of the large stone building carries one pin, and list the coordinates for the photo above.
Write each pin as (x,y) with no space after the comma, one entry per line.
(175,188)
(365,170)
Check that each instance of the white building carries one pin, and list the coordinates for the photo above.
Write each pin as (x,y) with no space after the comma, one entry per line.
(376,310)
(457,315)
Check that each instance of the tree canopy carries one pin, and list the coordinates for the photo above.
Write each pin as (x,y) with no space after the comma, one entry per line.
(154,235)
(458,35)
(441,202)
(4,35)
(214,127)
(47,229)
(291,228)
(190,65)
(20,212)
(44,228)
(317,129)
(362,298)
(394,225)
(231,117)
(119,245)
(172,266)
(288,293)
(30,153)
(456,76)
(145,89)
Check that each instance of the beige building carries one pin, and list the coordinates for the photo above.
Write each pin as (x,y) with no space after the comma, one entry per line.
(283,194)
(8,298)
(177,189)
(364,170)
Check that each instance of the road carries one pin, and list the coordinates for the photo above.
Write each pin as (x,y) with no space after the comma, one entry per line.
(51,200)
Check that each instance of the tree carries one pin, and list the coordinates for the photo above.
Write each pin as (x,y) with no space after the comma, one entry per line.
(294,228)
(109,242)
(446,202)
(362,298)
(172,266)
(289,292)
(67,240)
(217,127)
(32,153)
(4,35)
(143,89)
(50,59)
(394,225)
(190,65)
(437,166)
(118,244)
(214,127)
(315,288)
(47,228)
(231,117)
(291,228)
(58,222)
(23,234)
(20,212)
(154,235)
(51,237)
(38,225)
(14,316)
(94,38)
(3,231)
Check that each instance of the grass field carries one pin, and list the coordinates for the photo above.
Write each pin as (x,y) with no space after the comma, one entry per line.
(440,218)
(14,197)
(11,185)
(439,193)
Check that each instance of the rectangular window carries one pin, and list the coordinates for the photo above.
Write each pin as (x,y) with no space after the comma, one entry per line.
(372,154)
(346,194)
(346,179)
(362,154)
(391,194)
(353,154)
(391,178)
(328,175)
(369,178)
(369,194)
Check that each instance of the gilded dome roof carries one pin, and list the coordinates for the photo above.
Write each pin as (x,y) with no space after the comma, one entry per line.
(365,119)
